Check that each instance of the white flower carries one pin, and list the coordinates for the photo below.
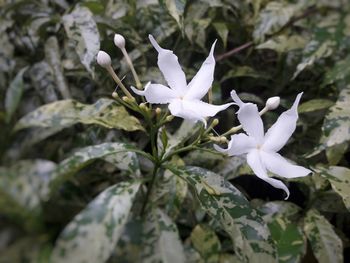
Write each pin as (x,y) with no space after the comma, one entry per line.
(262,149)
(184,99)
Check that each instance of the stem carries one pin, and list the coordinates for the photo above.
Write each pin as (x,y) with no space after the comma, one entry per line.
(230,53)
(149,190)
(119,82)
(133,71)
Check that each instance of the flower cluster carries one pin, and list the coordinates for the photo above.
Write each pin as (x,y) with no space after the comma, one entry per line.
(185,101)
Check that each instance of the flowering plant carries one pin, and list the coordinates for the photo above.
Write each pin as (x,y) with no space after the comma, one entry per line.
(221,137)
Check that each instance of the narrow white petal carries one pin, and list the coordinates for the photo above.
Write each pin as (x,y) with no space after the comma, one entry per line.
(156,93)
(169,65)
(254,161)
(202,81)
(195,110)
(279,133)
(239,144)
(236,99)
(248,116)
(276,164)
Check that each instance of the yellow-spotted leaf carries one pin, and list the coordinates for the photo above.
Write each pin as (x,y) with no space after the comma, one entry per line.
(325,243)
(65,113)
(227,205)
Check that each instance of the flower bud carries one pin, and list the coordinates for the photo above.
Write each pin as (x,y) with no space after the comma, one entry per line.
(272,103)
(119,41)
(215,122)
(115,95)
(170,118)
(103,59)
(143,106)
(158,110)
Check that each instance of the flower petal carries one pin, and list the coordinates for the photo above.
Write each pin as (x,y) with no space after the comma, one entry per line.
(169,65)
(248,116)
(195,110)
(177,108)
(239,144)
(201,82)
(280,132)
(156,93)
(276,164)
(254,161)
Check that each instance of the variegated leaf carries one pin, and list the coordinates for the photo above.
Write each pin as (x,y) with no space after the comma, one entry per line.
(272,18)
(82,31)
(27,183)
(161,241)
(206,242)
(283,43)
(120,154)
(336,126)
(250,235)
(65,113)
(326,245)
(94,232)
(339,177)
(14,94)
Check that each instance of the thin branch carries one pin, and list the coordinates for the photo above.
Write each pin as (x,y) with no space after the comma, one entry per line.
(230,53)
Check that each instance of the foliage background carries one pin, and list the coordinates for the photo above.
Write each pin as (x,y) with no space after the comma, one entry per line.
(266,48)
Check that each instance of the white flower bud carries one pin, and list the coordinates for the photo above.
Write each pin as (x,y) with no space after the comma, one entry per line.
(103,59)
(272,103)
(119,41)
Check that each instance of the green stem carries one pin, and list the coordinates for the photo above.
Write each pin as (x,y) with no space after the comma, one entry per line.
(149,190)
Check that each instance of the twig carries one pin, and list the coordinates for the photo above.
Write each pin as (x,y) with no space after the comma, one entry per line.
(230,53)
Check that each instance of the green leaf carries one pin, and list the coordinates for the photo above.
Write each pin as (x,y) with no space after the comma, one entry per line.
(14,94)
(82,31)
(315,105)
(290,241)
(170,192)
(336,126)
(326,245)
(92,235)
(222,30)
(119,154)
(161,241)
(23,187)
(250,235)
(26,250)
(280,209)
(339,177)
(52,55)
(313,52)
(186,130)
(65,113)
(272,18)
(283,43)
(243,71)
(340,71)
(206,242)
(176,9)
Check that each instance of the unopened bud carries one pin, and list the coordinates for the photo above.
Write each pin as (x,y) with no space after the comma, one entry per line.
(119,41)
(215,122)
(125,98)
(158,110)
(169,118)
(103,59)
(223,139)
(143,106)
(272,103)
(115,95)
